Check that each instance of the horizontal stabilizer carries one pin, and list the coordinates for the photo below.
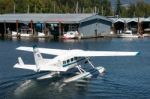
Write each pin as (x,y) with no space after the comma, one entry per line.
(42,68)
(29,67)
(21,65)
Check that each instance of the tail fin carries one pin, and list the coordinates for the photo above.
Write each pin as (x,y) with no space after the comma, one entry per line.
(39,61)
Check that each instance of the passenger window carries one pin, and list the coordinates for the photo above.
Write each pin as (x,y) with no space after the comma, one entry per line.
(71,59)
(68,61)
(76,58)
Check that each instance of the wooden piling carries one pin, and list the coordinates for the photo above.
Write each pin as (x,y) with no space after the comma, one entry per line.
(5,28)
(17,28)
(31,27)
(59,29)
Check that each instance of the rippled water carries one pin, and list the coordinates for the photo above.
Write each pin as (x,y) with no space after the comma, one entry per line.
(125,77)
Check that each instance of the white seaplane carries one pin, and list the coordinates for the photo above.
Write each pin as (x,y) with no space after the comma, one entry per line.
(66,60)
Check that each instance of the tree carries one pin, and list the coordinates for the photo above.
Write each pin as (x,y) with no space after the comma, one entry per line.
(131,10)
(6,6)
(106,7)
(118,8)
(124,12)
(103,7)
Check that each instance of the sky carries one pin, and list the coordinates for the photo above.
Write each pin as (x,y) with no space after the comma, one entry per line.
(127,1)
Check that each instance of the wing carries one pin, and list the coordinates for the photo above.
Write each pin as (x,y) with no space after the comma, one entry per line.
(43,50)
(78,53)
(81,53)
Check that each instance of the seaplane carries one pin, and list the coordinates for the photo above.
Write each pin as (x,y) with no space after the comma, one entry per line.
(66,60)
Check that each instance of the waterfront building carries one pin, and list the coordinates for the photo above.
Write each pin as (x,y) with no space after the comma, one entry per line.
(136,25)
(88,25)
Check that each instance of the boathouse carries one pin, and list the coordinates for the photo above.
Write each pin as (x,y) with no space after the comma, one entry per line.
(132,24)
(95,26)
(136,25)
(119,25)
(55,24)
(146,25)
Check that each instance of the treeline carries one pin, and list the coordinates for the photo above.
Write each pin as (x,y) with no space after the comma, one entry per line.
(103,7)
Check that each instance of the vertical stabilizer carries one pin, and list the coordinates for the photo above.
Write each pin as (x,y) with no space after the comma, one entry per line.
(38,57)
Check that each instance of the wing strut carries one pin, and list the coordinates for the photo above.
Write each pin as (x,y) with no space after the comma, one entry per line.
(80,69)
(90,62)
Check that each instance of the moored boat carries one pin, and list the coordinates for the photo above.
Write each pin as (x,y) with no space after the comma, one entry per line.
(71,35)
(127,34)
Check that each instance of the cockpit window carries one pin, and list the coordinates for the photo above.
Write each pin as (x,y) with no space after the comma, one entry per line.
(64,62)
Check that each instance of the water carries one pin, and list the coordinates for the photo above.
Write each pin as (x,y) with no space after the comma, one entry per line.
(125,77)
